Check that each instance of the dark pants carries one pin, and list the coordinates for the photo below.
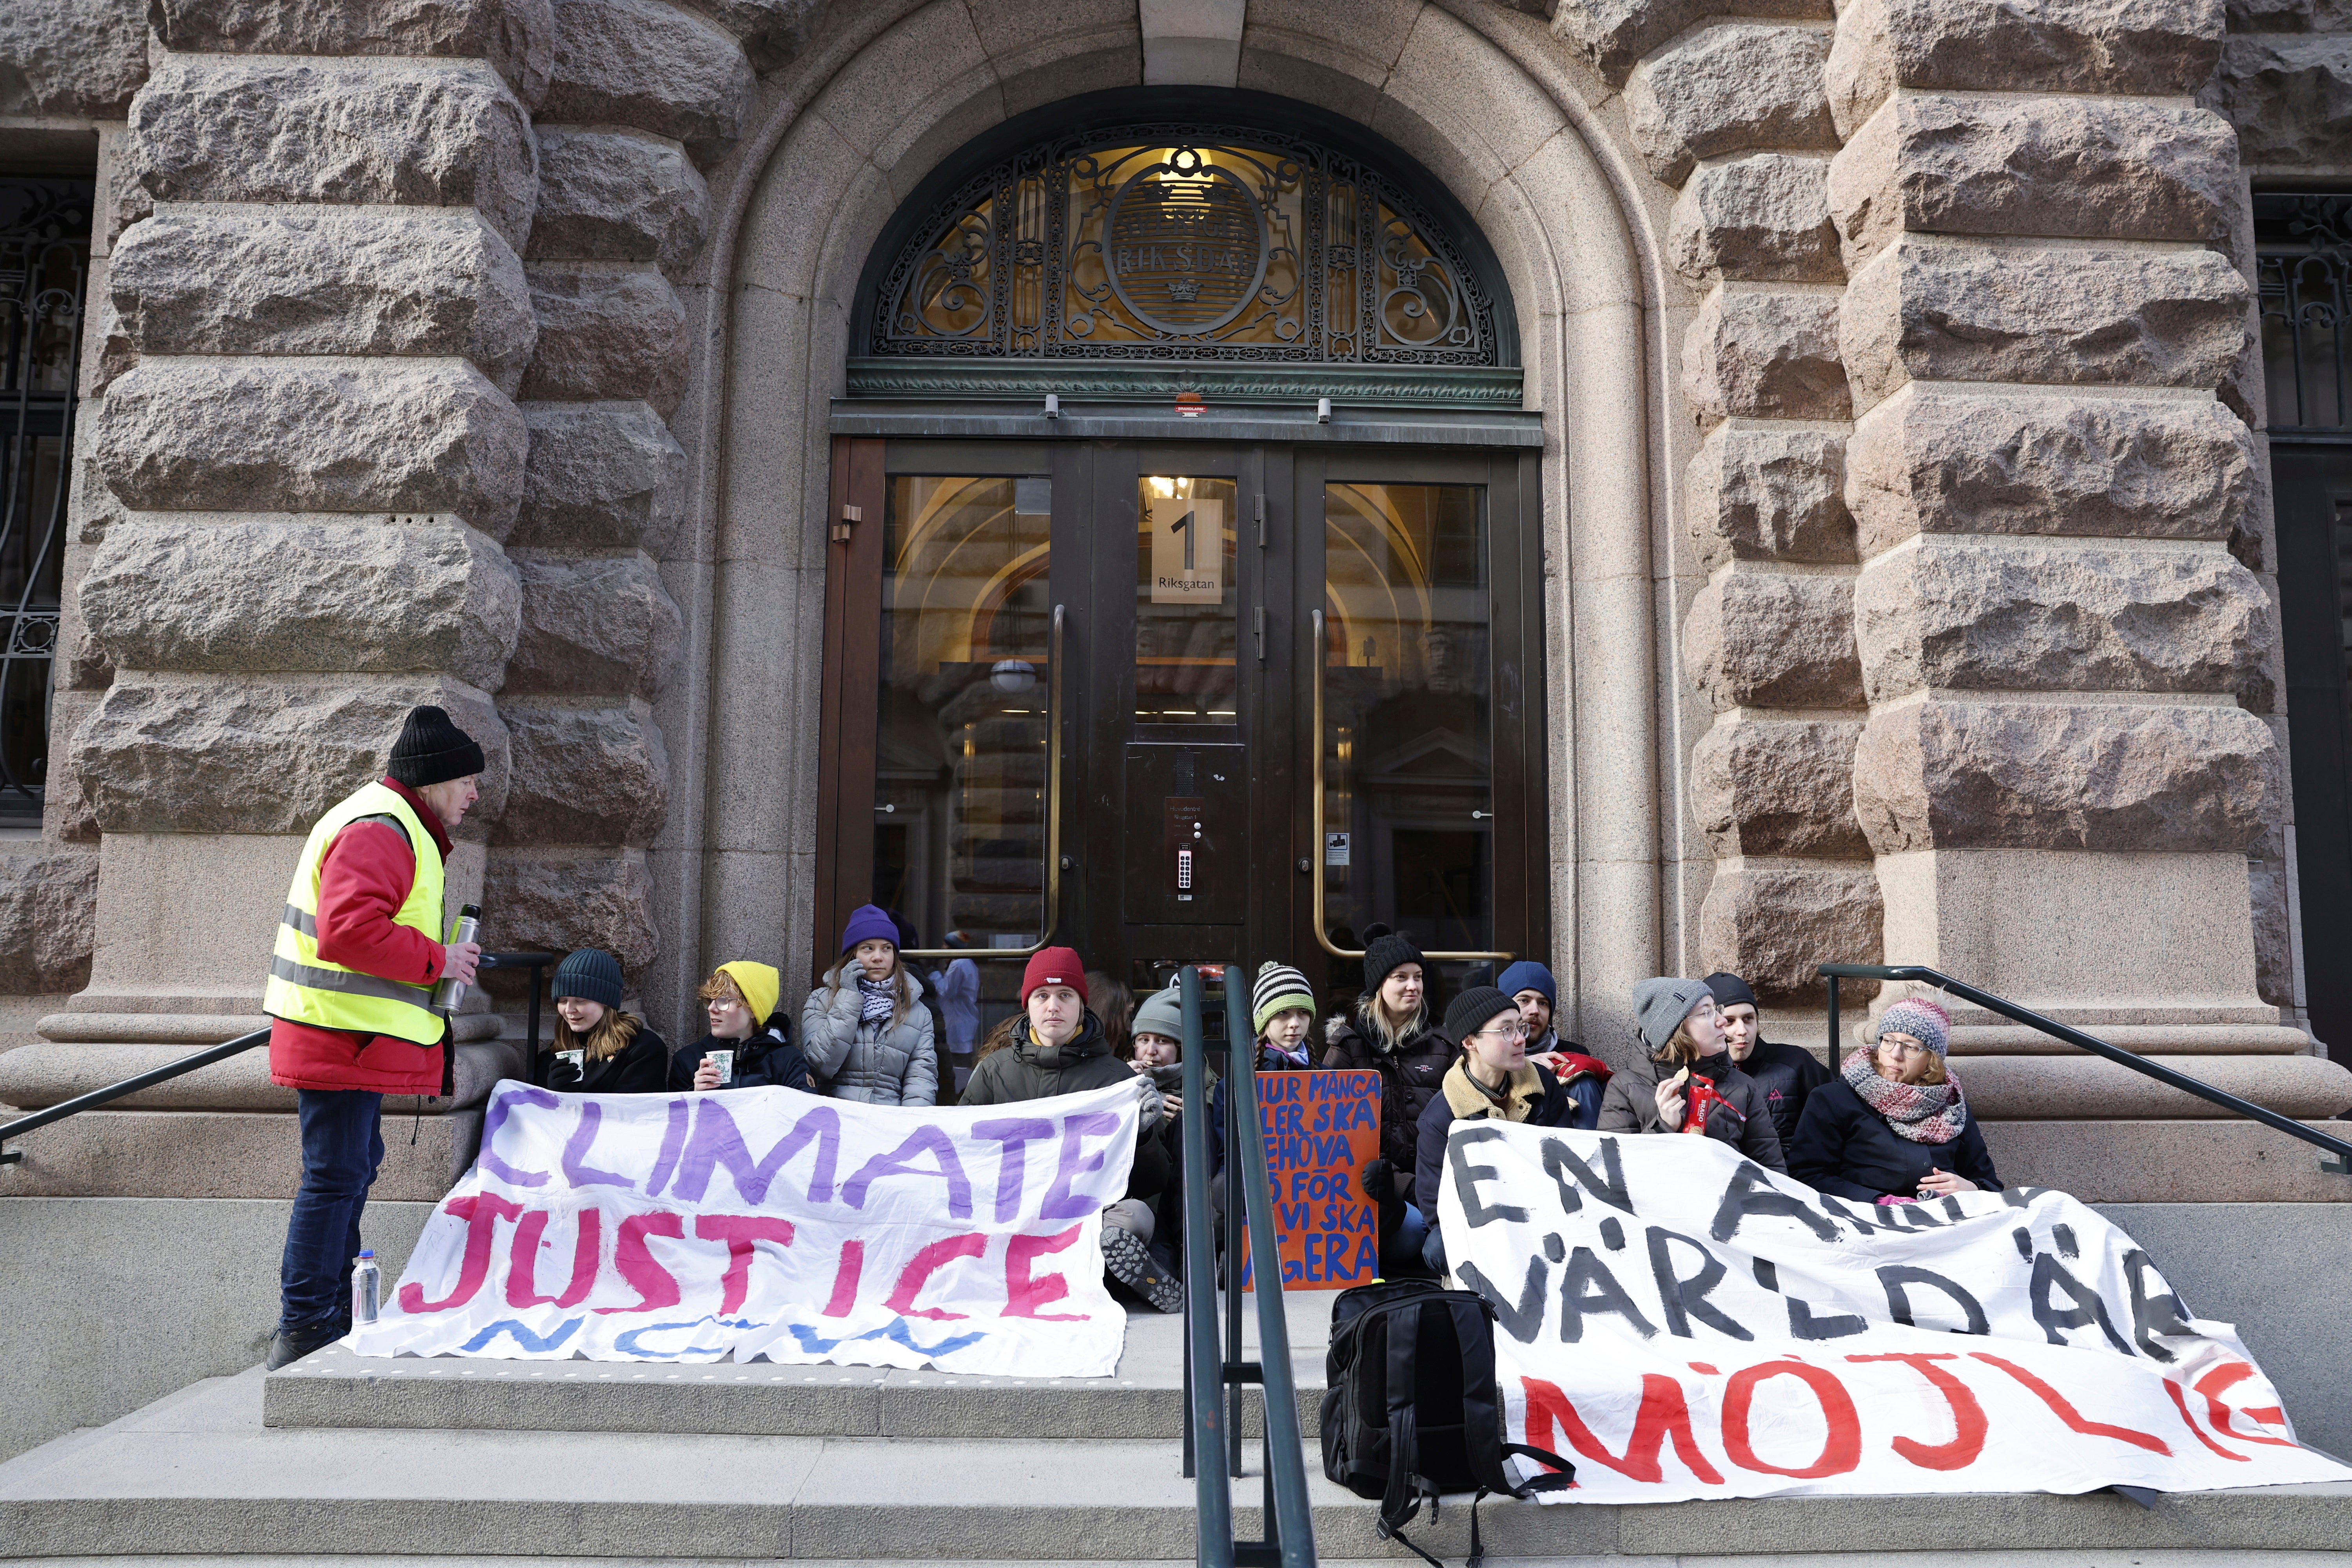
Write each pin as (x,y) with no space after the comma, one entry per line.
(342,1144)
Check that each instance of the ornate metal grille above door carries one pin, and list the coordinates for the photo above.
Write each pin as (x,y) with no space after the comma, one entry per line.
(1185,242)
(2303,261)
(44,271)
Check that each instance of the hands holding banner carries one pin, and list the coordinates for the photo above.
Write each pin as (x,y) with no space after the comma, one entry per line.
(1687,1324)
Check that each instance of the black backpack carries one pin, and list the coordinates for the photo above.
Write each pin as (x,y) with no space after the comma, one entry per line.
(1412,1411)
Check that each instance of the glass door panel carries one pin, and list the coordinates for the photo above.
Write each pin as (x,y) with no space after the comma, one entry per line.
(962,726)
(1408,769)
(1185,591)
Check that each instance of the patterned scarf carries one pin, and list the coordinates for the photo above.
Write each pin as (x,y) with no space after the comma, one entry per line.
(1923,1112)
(874,1001)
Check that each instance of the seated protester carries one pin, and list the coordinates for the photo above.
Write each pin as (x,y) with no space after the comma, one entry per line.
(865,1031)
(1532,990)
(736,995)
(1679,1025)
(1893,1128)
(1389,1032)
(1160,1048)
(598,1049)
(1057,1047)
(1282,1011)
(1493,1079)
(1787,1074)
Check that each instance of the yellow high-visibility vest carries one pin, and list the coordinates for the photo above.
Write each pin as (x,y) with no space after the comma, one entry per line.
(305,988)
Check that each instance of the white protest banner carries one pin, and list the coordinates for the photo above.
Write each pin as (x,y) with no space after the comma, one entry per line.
(766,1224)
(1682,1323)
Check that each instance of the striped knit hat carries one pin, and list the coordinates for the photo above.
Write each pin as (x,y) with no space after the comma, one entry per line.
(1279,989)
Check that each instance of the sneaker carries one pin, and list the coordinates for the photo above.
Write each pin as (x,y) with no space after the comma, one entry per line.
(287,1346)
(1129,1262)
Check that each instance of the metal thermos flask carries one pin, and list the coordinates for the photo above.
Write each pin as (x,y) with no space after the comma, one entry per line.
(452,990)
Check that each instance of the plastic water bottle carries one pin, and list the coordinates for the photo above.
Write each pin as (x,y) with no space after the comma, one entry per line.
(367,1288)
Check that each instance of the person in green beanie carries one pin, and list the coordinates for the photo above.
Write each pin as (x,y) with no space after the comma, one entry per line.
(598,1049)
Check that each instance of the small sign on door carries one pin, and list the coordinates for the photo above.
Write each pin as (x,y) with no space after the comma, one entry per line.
(1335,850)
(1188,551)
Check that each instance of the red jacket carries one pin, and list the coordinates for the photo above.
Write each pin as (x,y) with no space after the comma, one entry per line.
(362,882)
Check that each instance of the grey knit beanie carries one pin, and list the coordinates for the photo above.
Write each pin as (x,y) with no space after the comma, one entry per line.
(1660,1006)
(1919,1019)
(1161,1013)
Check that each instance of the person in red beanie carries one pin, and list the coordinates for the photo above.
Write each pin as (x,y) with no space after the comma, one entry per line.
(1060,1049)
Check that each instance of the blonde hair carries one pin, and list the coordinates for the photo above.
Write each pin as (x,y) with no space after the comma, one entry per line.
(1375,1018)
(607,1038)
(721,987)
(1934,1075)
(1679,1048)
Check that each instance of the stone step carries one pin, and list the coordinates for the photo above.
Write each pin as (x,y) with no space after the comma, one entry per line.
(1143,1400)
(2062,1558)
(202,1471)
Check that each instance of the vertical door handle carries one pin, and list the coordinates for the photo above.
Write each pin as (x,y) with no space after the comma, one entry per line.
(1261,634)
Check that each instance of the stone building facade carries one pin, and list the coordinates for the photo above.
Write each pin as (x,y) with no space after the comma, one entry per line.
(1907,568)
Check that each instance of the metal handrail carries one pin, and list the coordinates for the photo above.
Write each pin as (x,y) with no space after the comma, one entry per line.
(2205,1091)
(1211,1365)
(1322,931)
(148,1080)
(1053,664)
(534,962)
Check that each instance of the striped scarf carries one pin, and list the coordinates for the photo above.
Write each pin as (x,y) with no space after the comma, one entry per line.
(1923,1112)
(875,1002)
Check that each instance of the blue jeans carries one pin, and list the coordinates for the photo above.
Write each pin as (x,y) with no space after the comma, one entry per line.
(1405,1244)
(342,1144)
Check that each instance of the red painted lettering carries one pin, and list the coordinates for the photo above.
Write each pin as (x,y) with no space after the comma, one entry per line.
(2180,1403)
(928,1262)
(740,1232)
(657,1286)
(1968,1424)
(1840,1447)
(845,1279)
(481,1213)
(2230,1373)
(1023,1292)
(1665,1413)
(522,1264)
(2074,1418)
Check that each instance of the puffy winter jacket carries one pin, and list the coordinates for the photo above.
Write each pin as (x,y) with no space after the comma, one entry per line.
(1532,1096)
(640,1067)
(882,1063)
(768,1058)
(1027,1070)
(1786,1075)
(1740,1119)
(1847,1149)
(1410,1077)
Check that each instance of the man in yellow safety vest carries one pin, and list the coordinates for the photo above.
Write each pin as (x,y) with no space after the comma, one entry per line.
(358,952)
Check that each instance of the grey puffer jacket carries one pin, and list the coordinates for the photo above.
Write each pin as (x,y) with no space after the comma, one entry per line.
(875,1063)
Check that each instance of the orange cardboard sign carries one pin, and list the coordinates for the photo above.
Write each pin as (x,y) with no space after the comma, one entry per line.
(1322,1127)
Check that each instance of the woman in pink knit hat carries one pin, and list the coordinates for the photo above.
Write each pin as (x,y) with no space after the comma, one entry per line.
(1893,1127)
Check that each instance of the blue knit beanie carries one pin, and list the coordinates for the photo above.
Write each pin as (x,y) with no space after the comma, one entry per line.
(868,922)
(590,974)
(1527,974)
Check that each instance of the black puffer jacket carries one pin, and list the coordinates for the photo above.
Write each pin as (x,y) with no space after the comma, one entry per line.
(767,1058)
(1741,1119)
(1410,1076)
(1027,1070)
(640,1067)
(1847,1149)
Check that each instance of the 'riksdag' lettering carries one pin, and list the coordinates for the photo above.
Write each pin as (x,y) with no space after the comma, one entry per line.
(1183,259)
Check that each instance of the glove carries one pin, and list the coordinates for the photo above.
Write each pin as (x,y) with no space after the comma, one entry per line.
(1379,1181)
(561,1074)
(1148,1103)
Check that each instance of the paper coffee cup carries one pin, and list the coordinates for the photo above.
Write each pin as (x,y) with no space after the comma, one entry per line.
(579,1059)
(726,1062)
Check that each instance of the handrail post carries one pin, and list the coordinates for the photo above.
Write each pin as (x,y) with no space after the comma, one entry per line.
(1240,1061)
(1203,1364)
(531,1046)
(1834,1051)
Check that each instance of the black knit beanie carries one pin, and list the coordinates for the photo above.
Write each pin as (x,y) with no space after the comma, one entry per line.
(1474,1010)
(431,751)
(1384,951)
(590,974)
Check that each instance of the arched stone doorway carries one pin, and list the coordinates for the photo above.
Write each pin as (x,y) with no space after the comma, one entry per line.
(1562,252)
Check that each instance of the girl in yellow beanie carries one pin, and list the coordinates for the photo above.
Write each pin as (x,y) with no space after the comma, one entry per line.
(737,996)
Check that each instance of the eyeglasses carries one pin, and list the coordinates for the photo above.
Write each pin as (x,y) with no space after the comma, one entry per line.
(1515,1032)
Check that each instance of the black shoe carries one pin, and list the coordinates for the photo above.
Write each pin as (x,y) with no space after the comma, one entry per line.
(1129,1262)
(287,1346)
